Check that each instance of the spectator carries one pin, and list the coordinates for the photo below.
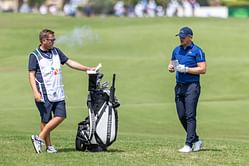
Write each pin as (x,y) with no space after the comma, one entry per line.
(187,8)
(88,10)
(69,10)
(160,11)
(130,10)
(173,8)
(119,8)
(25,8)
(43,9)
(151,8)
(139,10)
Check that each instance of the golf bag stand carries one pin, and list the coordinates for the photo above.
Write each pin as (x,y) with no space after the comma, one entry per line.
(99,129)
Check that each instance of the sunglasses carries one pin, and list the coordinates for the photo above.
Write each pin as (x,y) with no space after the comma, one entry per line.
(52,40)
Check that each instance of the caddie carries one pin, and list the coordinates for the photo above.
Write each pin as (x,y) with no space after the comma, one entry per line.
(45,77)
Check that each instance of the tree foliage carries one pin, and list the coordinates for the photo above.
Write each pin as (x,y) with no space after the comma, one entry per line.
(235,2)
(33,3)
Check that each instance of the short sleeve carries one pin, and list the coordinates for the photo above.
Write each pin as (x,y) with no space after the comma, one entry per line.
(33,63)
(63,57)
(200,56)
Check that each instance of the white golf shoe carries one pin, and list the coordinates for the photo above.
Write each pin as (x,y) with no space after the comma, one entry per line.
(37,143)
(197,146)
(185,149)
(51,149)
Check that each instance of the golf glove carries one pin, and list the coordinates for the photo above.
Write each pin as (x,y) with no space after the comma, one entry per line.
(181,68)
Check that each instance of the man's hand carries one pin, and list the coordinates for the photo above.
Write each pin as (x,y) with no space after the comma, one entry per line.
(171,68)
(181,68)
(38,97)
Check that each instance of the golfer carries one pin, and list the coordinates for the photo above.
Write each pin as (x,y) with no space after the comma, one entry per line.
(188,60)
(45,77)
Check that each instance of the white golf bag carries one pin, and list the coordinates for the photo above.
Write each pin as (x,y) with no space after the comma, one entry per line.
(99,129)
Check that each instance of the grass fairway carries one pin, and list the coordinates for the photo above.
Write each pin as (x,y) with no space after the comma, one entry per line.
(138,51)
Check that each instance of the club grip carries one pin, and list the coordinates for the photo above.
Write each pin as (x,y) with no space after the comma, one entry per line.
(113,80)
(112,93)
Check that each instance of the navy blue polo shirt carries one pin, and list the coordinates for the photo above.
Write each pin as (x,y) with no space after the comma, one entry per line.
(34,65)
(189,57)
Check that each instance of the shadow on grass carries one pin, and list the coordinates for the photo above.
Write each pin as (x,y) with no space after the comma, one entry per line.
(67,150)
(213,150)
(115,151)
(73,150)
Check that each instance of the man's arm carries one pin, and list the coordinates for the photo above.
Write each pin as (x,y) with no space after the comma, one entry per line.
(200,69)
(32,82)
(76,65)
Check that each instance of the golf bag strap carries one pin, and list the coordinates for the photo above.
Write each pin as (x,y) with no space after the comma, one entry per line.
(109,125)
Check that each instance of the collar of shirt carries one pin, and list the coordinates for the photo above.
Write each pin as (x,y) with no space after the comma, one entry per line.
(46,54)
(188,47)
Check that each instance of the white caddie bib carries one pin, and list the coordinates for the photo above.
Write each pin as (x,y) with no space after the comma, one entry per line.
(52,75)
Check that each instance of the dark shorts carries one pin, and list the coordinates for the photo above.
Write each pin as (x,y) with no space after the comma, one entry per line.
(49,109)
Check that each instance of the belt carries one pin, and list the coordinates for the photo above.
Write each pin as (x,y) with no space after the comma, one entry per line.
(186,83)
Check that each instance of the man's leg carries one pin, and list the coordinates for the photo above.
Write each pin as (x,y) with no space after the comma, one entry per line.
(53,123)
(47,139)
(181,111)
(191,101)
(45,113)
(180,106)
